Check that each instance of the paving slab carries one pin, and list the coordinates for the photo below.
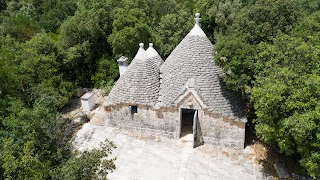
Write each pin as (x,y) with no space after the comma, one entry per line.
(152,158)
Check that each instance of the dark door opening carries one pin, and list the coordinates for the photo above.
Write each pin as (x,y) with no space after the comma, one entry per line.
(187,116)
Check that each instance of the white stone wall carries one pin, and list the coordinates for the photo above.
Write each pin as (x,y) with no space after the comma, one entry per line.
(215,129)
(160,123)
(222,132)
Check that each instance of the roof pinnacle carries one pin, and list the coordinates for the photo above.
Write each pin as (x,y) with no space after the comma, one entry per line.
(196,30)
(141,54)
(151,51)
(197,18)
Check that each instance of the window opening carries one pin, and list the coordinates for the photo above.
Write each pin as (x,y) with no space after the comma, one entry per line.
(133,109)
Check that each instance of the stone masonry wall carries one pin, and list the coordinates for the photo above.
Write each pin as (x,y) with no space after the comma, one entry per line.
(215,129)
(163,122)
(221,132)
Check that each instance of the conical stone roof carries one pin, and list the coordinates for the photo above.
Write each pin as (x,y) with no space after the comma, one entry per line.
(154,56)
(193,59)
(139,84)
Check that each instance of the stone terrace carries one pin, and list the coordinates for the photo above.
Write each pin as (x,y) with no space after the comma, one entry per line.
(146,157)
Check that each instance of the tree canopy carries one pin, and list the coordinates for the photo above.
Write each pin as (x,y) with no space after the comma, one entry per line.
(269,50)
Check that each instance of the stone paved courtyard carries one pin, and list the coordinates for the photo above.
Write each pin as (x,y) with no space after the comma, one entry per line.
(151,158)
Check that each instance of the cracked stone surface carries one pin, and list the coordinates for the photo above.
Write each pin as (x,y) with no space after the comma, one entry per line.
(146,157)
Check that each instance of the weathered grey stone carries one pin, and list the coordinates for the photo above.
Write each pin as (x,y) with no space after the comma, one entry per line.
(188,79)
(281,170)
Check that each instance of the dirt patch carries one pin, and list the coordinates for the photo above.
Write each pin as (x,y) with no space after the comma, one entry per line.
(226,154)
(73,112)
(267,156)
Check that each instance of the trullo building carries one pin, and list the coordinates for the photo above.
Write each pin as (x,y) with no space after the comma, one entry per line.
(185,94)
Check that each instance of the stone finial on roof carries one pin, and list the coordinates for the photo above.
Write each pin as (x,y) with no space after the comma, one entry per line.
(151,51)
(197,18)
(196,30)
(141,54)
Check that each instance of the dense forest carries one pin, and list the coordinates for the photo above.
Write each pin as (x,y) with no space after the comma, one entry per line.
(269,50)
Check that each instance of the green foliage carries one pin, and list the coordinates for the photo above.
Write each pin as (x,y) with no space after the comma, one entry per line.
(8,79)
(286,94)
(268,48)
(19,166)
(259,23)
(224,12)
(271,51)
(40,71)
(107,72)
(84,41)
(172,28)
(56,11)
(34,142)
(311,5)
(89,165)
(34,146)
(130,27)
(20,26)
(83,26)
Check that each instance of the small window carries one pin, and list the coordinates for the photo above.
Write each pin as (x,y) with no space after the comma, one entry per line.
(133,109)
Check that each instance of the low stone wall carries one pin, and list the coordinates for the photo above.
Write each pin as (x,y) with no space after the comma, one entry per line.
(147,120)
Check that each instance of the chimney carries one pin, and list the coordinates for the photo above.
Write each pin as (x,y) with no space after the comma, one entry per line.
(123,64)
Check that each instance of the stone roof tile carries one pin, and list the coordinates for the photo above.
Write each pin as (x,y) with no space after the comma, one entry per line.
(140,84)
(193,58)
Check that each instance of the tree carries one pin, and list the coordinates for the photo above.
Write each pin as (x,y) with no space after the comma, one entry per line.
(20,26)
(171,29)
(8,79)
(19,20)
(130,27)
(33,141)
(34,146)
(52,13)
(258,23)
(310,5)
(224,12)
(41,71)
(84,41)
(107,71)
(89,165)
(272,53)
(286,94)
